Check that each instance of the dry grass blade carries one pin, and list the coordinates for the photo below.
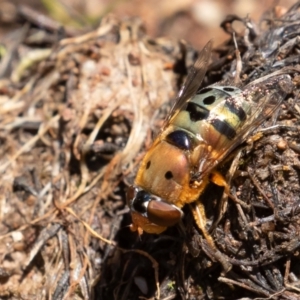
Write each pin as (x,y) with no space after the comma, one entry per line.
(89,90)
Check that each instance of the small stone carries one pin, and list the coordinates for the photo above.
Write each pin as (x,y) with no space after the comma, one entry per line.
(282,145)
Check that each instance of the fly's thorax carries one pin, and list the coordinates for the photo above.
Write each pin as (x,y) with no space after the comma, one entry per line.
(165,170)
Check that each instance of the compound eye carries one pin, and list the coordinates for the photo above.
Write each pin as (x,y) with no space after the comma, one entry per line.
(163,214)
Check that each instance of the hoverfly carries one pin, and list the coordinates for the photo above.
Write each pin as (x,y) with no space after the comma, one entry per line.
(204,125)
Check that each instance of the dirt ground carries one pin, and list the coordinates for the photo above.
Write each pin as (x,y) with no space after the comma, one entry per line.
(84,87)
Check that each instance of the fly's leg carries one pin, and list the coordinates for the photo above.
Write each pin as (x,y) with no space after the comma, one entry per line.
(198,211)
(218,179)
(198,208)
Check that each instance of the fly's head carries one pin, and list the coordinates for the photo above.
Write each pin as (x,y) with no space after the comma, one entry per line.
(151,213)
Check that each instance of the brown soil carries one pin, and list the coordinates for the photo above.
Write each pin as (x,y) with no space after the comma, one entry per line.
(78,109)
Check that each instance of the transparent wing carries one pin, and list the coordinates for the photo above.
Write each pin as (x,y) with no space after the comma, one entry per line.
(264,98)
(193,81)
